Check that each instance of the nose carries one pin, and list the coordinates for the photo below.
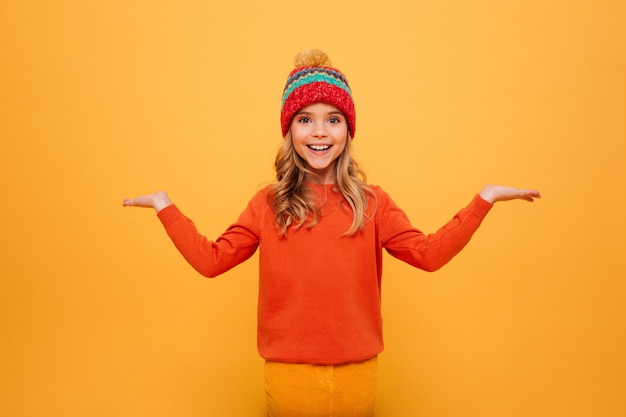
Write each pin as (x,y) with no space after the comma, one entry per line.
(319,129)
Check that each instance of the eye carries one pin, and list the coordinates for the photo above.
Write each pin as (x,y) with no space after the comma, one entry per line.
(334,120)
(304,119)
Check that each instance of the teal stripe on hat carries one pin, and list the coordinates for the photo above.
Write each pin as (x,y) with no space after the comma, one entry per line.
(312,78)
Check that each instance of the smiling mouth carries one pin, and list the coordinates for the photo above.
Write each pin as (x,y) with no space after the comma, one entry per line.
(319,147)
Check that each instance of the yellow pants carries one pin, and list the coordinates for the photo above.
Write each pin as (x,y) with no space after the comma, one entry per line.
(304,390)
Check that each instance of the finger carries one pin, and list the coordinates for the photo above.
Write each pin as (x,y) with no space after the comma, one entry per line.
(533,194)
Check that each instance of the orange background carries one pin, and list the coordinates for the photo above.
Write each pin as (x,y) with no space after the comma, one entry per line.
(101,100)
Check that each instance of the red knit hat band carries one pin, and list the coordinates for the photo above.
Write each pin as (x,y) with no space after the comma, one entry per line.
(318,92)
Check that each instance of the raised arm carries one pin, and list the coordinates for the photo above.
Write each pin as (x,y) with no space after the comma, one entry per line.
(210,258)
(430,252)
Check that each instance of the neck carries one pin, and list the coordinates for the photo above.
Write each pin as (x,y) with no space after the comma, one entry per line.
(323,178)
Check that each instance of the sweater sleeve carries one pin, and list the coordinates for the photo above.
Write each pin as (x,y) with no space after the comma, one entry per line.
(212,258)
(428,251)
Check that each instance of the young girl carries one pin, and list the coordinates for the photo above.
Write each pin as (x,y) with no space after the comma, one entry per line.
(321,229)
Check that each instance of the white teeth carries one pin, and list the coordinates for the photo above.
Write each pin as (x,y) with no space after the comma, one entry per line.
(319,147)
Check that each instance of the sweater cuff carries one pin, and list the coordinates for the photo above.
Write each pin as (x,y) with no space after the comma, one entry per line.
(169,215)
(480,207)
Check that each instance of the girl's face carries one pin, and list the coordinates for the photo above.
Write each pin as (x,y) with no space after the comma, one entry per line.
(319,133)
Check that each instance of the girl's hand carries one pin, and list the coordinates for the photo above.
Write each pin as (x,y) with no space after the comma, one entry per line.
(495,193)
(158,201)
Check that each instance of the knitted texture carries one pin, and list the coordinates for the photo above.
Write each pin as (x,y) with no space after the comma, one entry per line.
(315,81)
(319,292)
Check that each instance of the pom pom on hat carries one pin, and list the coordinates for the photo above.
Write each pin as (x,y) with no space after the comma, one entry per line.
(312,58)
(314,80)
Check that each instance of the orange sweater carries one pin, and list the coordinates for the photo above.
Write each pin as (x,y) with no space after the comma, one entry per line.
(319,292)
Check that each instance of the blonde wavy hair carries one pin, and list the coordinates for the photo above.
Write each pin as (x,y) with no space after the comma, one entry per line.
(293,203)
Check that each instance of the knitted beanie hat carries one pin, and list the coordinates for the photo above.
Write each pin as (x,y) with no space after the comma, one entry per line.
(315,81)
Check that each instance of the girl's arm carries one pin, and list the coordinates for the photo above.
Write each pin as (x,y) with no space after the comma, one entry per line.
(209,258)
(432,251)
